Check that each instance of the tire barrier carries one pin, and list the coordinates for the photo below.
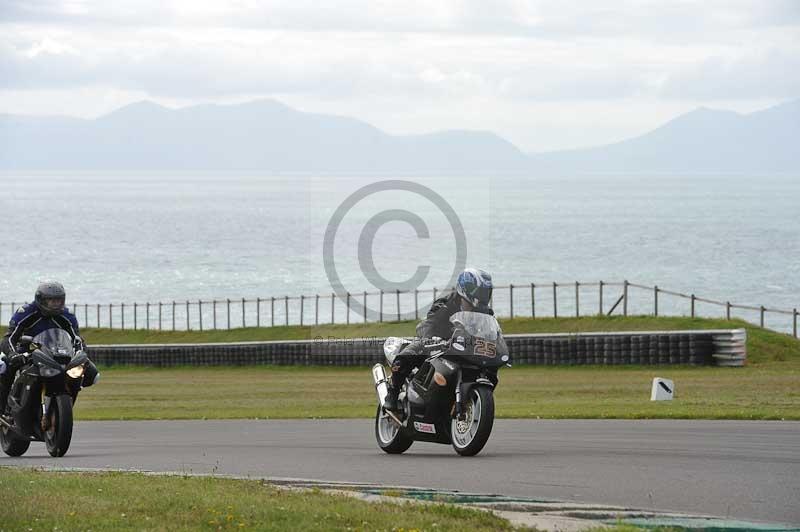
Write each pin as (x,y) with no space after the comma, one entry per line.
(698,348)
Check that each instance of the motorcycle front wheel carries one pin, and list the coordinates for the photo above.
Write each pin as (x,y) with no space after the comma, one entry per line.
(59,433)
(469,435)
(390,438)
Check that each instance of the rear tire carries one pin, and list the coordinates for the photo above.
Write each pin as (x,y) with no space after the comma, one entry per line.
(12,445)
(59,436)
(468,437)
(390,438)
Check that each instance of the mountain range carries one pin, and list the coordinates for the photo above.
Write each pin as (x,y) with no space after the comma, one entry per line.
(266,135)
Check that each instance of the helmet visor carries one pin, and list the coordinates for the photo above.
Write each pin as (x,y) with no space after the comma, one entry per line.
(54,304)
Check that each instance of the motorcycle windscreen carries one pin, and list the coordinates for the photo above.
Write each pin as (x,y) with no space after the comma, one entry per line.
(477,324)
(55,342)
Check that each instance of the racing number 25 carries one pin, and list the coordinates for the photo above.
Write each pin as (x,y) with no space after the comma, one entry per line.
(484,348)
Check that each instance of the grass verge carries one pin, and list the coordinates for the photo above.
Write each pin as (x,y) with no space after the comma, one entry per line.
(38,500)
(765,389)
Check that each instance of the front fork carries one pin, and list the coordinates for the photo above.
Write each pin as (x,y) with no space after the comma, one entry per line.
(459,406)
(46,400)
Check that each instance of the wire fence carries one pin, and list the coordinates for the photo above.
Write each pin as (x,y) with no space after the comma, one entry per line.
(532,300)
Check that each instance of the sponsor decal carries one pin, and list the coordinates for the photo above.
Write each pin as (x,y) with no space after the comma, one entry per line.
(427,428)
(449,364)
(458,347)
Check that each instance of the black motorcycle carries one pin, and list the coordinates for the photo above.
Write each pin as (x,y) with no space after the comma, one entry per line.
(41,398)
(450,398)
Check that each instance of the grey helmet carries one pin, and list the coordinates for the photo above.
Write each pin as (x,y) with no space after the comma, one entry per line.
(50,298)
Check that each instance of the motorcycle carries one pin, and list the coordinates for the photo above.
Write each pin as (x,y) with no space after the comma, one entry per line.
(43,393)
(449,398)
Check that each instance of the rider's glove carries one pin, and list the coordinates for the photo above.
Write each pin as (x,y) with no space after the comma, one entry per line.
(16,361)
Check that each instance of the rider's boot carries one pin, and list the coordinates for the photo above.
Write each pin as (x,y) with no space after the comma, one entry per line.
(391,402)
(4,390)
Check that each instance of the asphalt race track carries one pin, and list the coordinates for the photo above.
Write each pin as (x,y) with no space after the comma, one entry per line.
(747,470)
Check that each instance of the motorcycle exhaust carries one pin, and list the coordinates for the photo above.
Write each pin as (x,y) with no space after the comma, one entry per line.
(381,386)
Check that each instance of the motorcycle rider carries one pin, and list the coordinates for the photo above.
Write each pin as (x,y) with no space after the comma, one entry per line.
(473,293)
(46,311)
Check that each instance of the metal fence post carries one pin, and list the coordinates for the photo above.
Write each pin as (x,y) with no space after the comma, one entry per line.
(316,309)
(286,309)
(728,310)
(555,300)
(98,315)
(200,312)
(693,298)
(135,323)
(159,315)
(511,299)
(347,309)
(601,298)
(147,316)
(122,314)
(577,300)
(416,303)
(533,301)
(655,300)
(228,312)
(258,312)
(244,313)
(434,293)
(365,306)
(333,309)
(625,298)
(380,313)
(794,322)
(398,304)
(188,326)
(86,314)
(110,316)
(173,314)
(272,311)
(762,316)
(214,314)
(302,304)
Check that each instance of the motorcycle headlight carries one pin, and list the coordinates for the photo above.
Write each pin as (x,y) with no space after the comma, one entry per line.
(49,372)
(75,372)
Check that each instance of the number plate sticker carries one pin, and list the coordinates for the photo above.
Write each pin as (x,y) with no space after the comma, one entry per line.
(485,349)
(428,428)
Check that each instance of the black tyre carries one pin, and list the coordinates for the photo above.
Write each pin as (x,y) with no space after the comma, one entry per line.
(59,435)
(468,437)
(389,436)
(12,445)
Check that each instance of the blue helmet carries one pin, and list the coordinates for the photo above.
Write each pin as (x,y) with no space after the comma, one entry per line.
(475,286)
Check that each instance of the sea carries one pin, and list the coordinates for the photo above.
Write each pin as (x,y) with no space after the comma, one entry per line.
(114,238)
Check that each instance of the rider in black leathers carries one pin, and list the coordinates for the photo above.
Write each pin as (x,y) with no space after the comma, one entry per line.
(473,293)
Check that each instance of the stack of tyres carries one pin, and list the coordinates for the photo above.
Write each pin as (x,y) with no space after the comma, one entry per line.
(634,350)
(683,344)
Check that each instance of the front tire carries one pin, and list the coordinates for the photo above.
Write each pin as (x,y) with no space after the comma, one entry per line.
(390,438)
(59,435)
(469,436)
(12,445)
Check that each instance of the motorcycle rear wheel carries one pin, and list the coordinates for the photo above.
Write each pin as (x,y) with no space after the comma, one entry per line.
(469,436)
(390,438)
(12,445)
(59,435)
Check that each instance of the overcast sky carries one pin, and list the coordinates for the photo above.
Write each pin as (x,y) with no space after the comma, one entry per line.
(545,75)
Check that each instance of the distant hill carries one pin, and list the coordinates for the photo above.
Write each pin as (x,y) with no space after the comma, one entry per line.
(266,135)
(703,140)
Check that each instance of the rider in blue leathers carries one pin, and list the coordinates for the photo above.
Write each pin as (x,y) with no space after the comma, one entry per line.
(46,311)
